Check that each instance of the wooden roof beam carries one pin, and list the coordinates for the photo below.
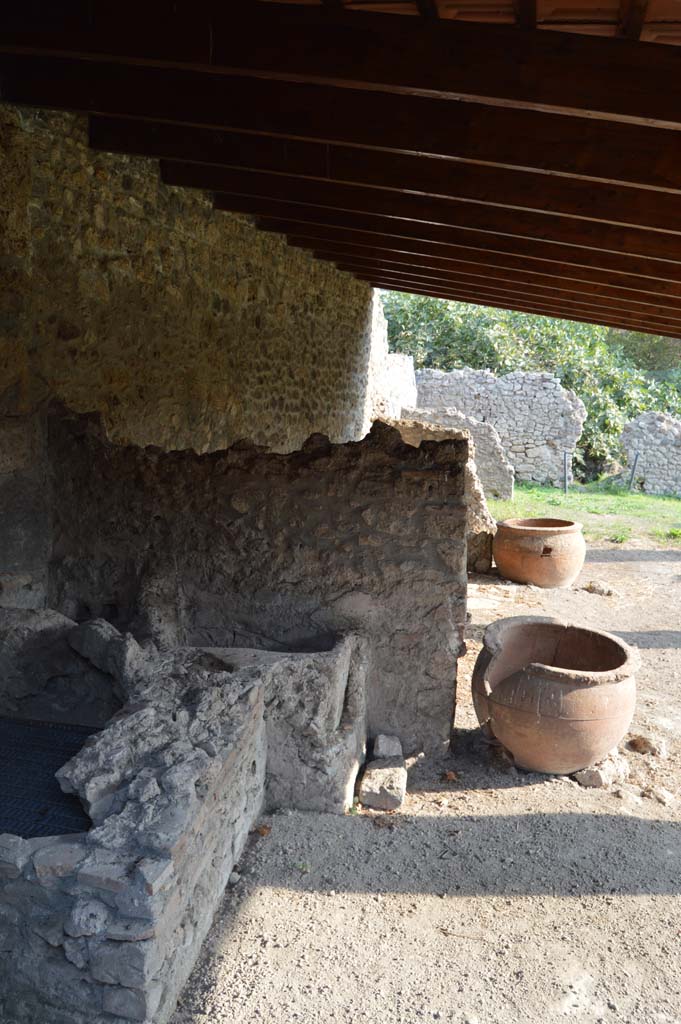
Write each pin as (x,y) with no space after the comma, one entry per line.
(525,13)
(598,305)
(446,268)
(198,106)
(447,212)
(316,236)
(517,307)
(632,18)
(489,64)
(269,212)
(494,186)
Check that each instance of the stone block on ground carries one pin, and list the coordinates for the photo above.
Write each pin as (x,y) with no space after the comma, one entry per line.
(611,770)
(387,746)
(384,784)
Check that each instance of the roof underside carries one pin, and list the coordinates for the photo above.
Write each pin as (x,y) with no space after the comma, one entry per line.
(518,154)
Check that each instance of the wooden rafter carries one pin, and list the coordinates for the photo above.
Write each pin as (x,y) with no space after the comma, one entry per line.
(450,213)
(632,18)
(490,64)
(525,13)
(572,197)
(460,269)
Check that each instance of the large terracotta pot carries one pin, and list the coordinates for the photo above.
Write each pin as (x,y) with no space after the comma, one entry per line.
(558,697)
(546,552)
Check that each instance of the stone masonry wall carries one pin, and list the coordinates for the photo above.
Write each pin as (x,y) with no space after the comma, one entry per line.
(244,548)
(656,437)
(494,471)
(536,418)
(104,926)
(25,528)
(183,326)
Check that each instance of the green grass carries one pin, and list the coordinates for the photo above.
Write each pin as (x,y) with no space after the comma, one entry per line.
(608,513)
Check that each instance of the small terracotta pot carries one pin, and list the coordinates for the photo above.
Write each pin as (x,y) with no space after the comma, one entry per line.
(557,696)
(546,552)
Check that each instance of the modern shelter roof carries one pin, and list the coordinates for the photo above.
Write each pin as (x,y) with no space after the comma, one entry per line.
(515,153)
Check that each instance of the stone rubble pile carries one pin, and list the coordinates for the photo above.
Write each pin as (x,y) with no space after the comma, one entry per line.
(656,437)
(384,782)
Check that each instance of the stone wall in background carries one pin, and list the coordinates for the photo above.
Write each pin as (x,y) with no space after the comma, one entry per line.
(183,326)
(480,526)
(656,437)
(25,538)
(536,418)
(282,552)
(494,471)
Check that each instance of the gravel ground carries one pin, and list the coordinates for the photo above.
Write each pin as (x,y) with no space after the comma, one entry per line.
(494,896)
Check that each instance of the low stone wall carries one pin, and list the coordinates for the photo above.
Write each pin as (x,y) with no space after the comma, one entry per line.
(656,437)
(480,526)
(536,418)
(494,471)
(104,927)
(247,548)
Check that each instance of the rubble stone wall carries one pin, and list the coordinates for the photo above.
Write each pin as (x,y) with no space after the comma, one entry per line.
(494,471)
(104,927)
(184,327)
(25,528)
(656,437)
(245,548)
(536,418)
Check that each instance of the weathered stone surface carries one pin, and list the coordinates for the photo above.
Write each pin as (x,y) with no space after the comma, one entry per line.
(234,334)
(387,746)
(24,506)
(493,468)
(384,784)
(480,526)
(613,769)
(244,548)
(536,418)
(656,438)
(43,678)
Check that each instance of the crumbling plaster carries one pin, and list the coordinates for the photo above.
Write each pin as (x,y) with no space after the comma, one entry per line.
(183,326)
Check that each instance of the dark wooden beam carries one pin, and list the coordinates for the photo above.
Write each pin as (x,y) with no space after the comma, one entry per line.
(428,8)
(490,64)
(274,214)
(580,147)
(556,298)
(448,212)
(401,172)
(525,13)
(447,268)
(348,241)
(632,18)
(517,307)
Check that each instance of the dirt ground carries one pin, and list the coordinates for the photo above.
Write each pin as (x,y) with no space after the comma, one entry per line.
(494,897)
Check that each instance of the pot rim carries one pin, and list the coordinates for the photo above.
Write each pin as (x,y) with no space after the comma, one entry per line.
(541,525)
(493,641)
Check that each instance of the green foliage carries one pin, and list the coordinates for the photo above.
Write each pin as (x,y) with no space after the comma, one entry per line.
(449,335)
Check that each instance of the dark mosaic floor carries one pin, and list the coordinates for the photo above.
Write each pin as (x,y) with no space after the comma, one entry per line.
(31,802)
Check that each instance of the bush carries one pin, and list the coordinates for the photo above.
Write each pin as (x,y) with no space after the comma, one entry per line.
(449,335)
